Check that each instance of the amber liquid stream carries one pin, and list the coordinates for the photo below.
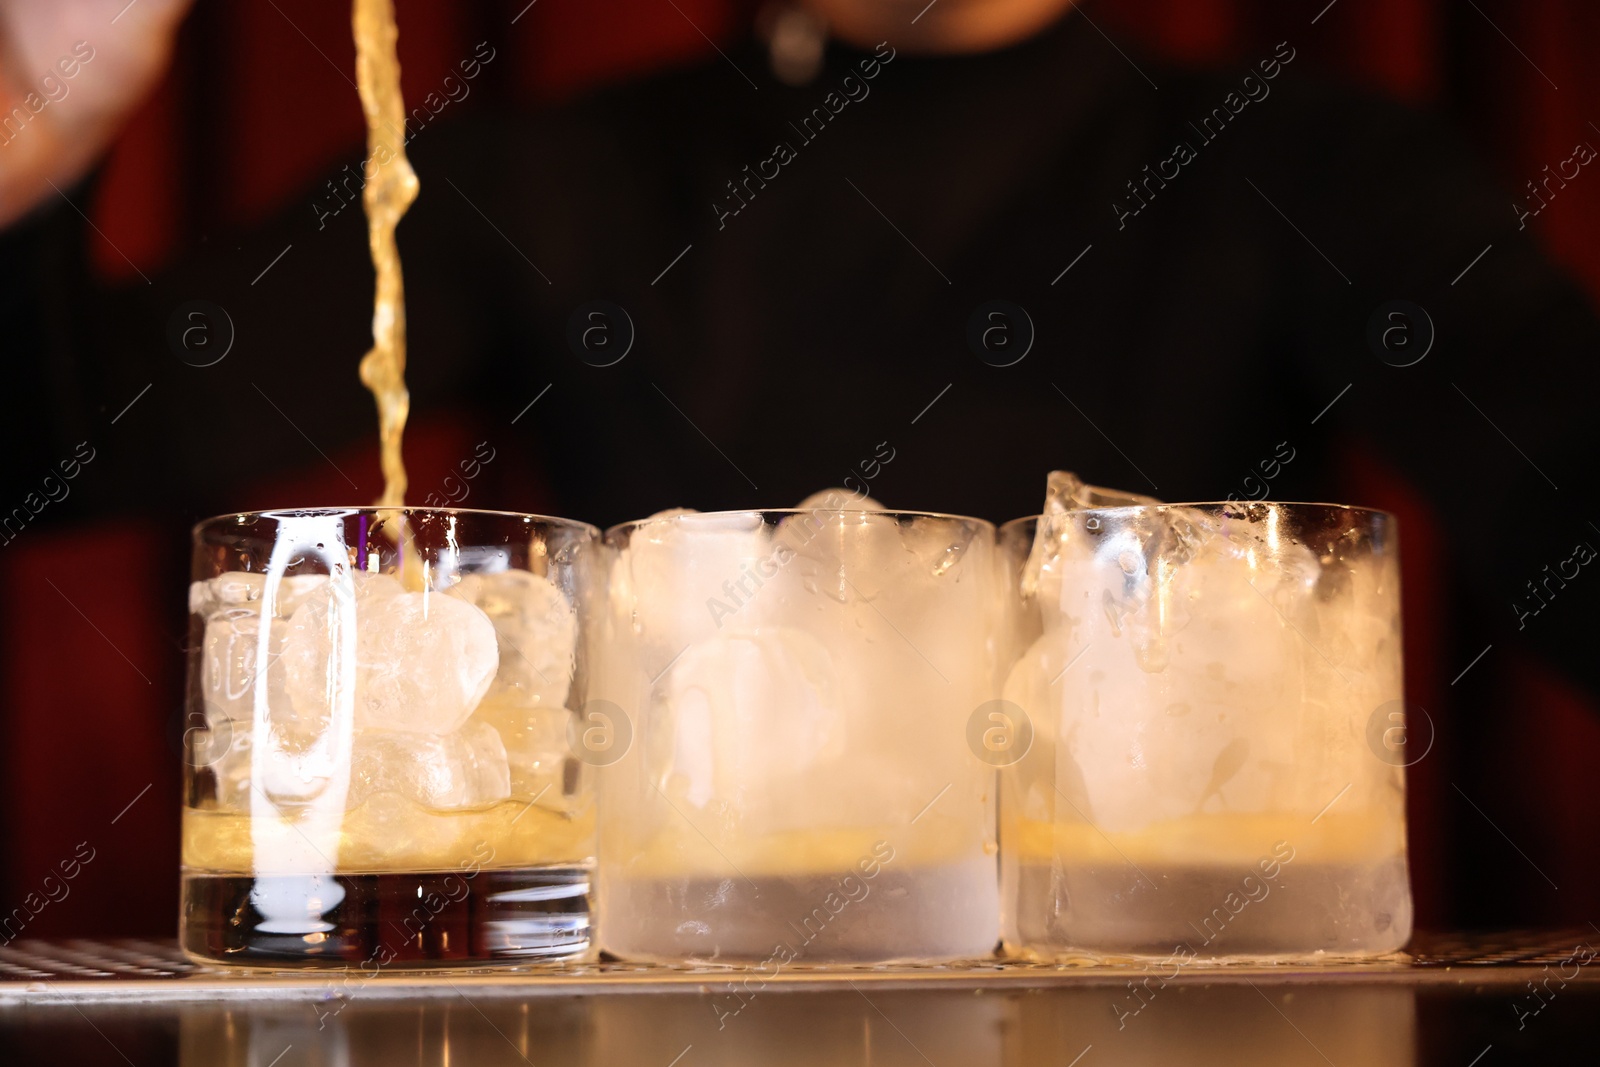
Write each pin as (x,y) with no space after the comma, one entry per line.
(391,186)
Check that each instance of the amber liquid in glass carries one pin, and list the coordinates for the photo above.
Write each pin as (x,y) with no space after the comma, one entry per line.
(388,919)
(508,882)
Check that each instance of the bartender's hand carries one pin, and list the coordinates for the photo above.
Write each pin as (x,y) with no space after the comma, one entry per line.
(71,71)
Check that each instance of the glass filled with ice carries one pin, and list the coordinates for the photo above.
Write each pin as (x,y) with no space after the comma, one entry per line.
(379,743)
(1213,691)
(797,788)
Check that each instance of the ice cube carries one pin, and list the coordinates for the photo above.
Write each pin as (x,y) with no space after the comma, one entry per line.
(537,633)
(1191,635)
(232,605)
(839,500)
(537,746)
(852,571)
(849,550)
(443,772)
(286,770)
(908,590)
(239,588)
(423,660)
(750,715)
(1196,737)
(1065,493)
(936,544)
(228,754)
(845,555)
(391,832)
(1030,685)
(228,665)
(684,573)
(234,674)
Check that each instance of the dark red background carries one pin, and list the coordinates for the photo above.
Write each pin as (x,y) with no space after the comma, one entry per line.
(259,104)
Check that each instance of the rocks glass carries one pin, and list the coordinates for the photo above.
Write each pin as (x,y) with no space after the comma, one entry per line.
(798,787)
(1210,689)
(379,766)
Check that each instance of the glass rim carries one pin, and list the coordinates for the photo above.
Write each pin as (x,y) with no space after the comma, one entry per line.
(333,512)
(636,524)
(1211,505)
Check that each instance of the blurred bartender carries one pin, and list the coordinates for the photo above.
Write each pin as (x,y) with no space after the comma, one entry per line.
(937,249)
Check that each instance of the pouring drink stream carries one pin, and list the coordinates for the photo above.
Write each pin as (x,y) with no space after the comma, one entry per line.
(391,186)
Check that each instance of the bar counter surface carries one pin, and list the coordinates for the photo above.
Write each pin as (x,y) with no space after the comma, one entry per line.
(1475,1001)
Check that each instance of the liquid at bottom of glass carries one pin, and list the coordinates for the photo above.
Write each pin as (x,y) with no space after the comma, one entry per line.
(427,918)
(931,912)
(1357,908)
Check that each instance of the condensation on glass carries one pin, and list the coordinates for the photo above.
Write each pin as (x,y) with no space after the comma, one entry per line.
(380,713)
(798,788)
(1217,759)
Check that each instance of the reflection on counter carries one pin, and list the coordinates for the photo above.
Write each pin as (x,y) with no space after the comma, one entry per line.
(349,1032)
(1136,1022)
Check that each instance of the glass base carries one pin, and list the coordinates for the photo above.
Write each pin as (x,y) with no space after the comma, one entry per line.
(424,919)
(932,913)
(1213,911)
